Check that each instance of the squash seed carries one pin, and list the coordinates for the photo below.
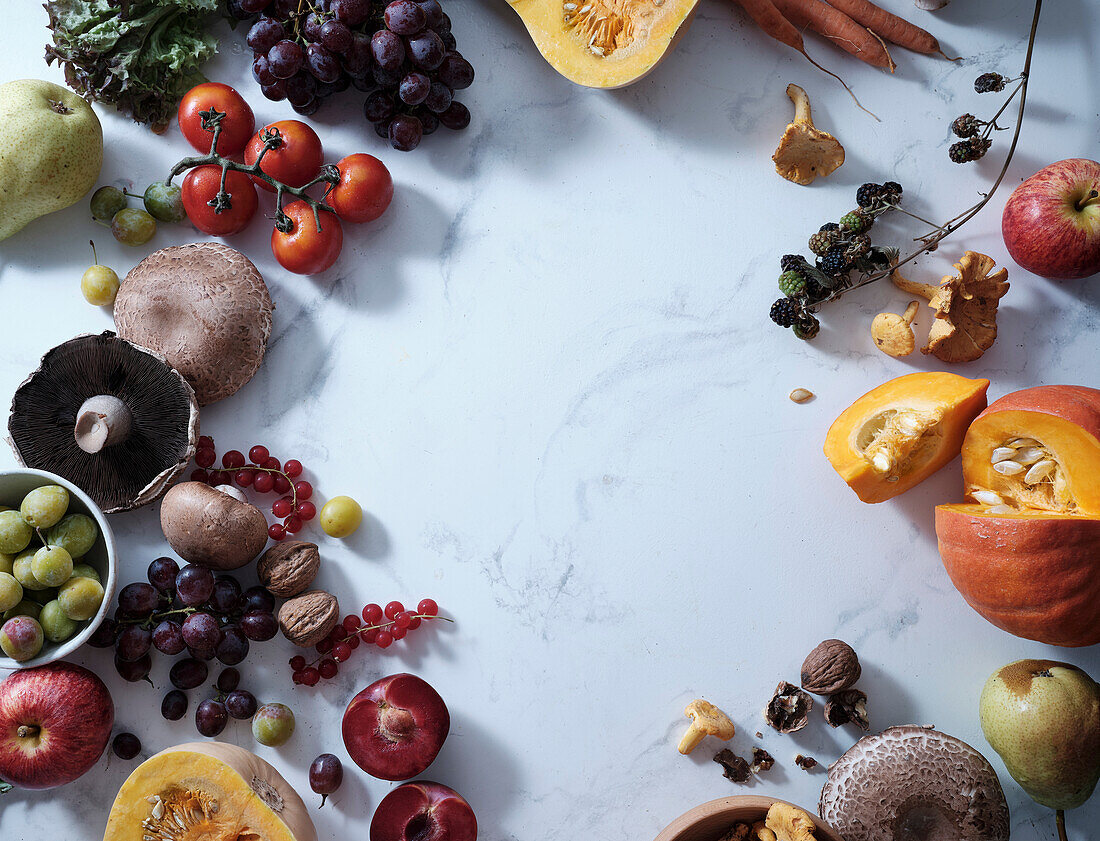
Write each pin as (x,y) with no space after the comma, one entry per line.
(1008,468)
(1029,455)
(1001,509)
(987,497)
(1039,471)
(801,395)
(1022,442)
(1002,454)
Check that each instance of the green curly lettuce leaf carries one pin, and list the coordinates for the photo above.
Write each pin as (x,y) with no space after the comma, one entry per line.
(140,55)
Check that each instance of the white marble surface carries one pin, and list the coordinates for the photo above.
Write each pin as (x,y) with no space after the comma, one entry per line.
(549,376)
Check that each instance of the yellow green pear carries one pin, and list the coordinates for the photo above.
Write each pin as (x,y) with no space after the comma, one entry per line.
(1043,718)
(51,149)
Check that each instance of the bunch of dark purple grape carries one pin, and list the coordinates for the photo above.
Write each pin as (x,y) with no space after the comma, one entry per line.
(211,715)
(402,55)
(188,610)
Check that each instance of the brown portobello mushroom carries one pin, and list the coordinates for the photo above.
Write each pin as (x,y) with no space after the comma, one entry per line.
(111,417)
(914,782)
(206,308)
(210,528)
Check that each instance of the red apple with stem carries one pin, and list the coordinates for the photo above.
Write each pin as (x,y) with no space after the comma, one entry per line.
(423,811)
(55,722)
(395,727)
(1051,222)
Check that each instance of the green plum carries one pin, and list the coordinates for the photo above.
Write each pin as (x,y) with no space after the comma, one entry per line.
(41,596)
(165,202)
(86,571)
(24,608)
(15,532)
(23,570)
(21,638)
(44,507)
(76,533)
(131,226)
(11,592)
(273,725)
(80,598)
(55,624)
(7,562)
(106,202)
(52,565)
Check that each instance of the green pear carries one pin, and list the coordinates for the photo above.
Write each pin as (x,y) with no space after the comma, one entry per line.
(1043,718)
(51,149)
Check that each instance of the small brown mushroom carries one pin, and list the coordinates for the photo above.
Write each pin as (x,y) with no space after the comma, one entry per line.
(805,152)
(965,305)
(205,307)
(210,528)
(893,334)
(111,417)
(706,720)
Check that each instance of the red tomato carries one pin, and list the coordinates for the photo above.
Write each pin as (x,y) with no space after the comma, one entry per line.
(296,162)
(237,124)
(364,191)
(305,250)
(201,185)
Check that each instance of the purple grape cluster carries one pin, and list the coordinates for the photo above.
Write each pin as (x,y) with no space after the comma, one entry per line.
(192,611)
(401,55)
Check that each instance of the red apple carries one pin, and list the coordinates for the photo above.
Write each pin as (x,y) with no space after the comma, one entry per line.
(54,725)
(423,811)
(394,728)
(1051,222)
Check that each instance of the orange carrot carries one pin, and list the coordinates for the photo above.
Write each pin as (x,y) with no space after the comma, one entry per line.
(771,20)
(894,29)
(838,28)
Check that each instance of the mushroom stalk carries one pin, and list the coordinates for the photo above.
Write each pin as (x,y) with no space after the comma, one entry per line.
(801,104)
(102,421)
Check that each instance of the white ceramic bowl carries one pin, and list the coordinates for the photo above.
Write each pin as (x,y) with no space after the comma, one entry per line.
(14,485)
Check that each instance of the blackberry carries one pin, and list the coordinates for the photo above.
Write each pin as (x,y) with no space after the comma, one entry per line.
(892,187)
(829,226)
(856,221)
(822,241)
(815,292)
(785,312)
(834,263)
(791,262)
(965,126)
(857,246)
(792,284)
(971,149)
(990,83)
(867,194)
(806,327)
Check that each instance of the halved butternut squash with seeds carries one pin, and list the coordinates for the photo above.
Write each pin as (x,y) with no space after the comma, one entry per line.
(1025,552)
(897,435)
(207,791)
(605,43)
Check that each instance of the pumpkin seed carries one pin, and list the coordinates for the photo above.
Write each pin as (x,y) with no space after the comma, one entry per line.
(987,497)
(1029,455)
(1022,442)
(1002,454)
(801,395)
(882,462)
(1008,468)
(1001,509)
(1039,471)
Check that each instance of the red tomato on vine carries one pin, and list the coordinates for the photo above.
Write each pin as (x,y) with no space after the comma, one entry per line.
(202,184)
(238,124)
(295,162)
(364,191)
(304,249)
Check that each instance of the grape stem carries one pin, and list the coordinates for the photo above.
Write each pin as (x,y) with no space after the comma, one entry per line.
(381,627)
(156,617)
(272,139)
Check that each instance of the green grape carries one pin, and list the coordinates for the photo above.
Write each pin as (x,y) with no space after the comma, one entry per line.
(21,638)
(15,533)
(133,227)
(86,571)
(41,596)
(273,725)
(76,533)
(52,565)
(11,592)
(7,562)
(24,608)
(23,570)
(106,202)
(165,202)
(44,507)
(80,598)
(55,624)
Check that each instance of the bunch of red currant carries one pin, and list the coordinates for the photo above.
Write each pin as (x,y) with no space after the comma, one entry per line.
(264,474)
(378,626)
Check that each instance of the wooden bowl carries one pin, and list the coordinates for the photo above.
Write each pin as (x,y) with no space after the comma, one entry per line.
(711,820)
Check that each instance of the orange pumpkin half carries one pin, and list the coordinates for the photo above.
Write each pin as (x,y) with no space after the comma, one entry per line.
(897,435)
(1025,551)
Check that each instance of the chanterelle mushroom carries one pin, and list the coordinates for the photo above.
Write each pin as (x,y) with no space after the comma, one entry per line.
(966,308)
(888,785)
(706,720)
(893,334)
(805,152)
(205,307)
(113,418)
(789,823)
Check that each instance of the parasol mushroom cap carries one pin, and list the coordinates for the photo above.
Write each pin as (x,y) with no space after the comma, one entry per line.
(914,782)
(113,418)
(804,151)
(206,308)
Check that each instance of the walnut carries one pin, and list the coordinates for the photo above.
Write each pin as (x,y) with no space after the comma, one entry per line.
(307,619)
(287,569)
(806,763)
(789,709)
(735,768)
(830,668)
(848,707)
(761,760)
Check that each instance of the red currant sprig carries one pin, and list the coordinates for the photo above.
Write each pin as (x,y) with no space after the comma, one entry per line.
(264,474)
(378,626)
